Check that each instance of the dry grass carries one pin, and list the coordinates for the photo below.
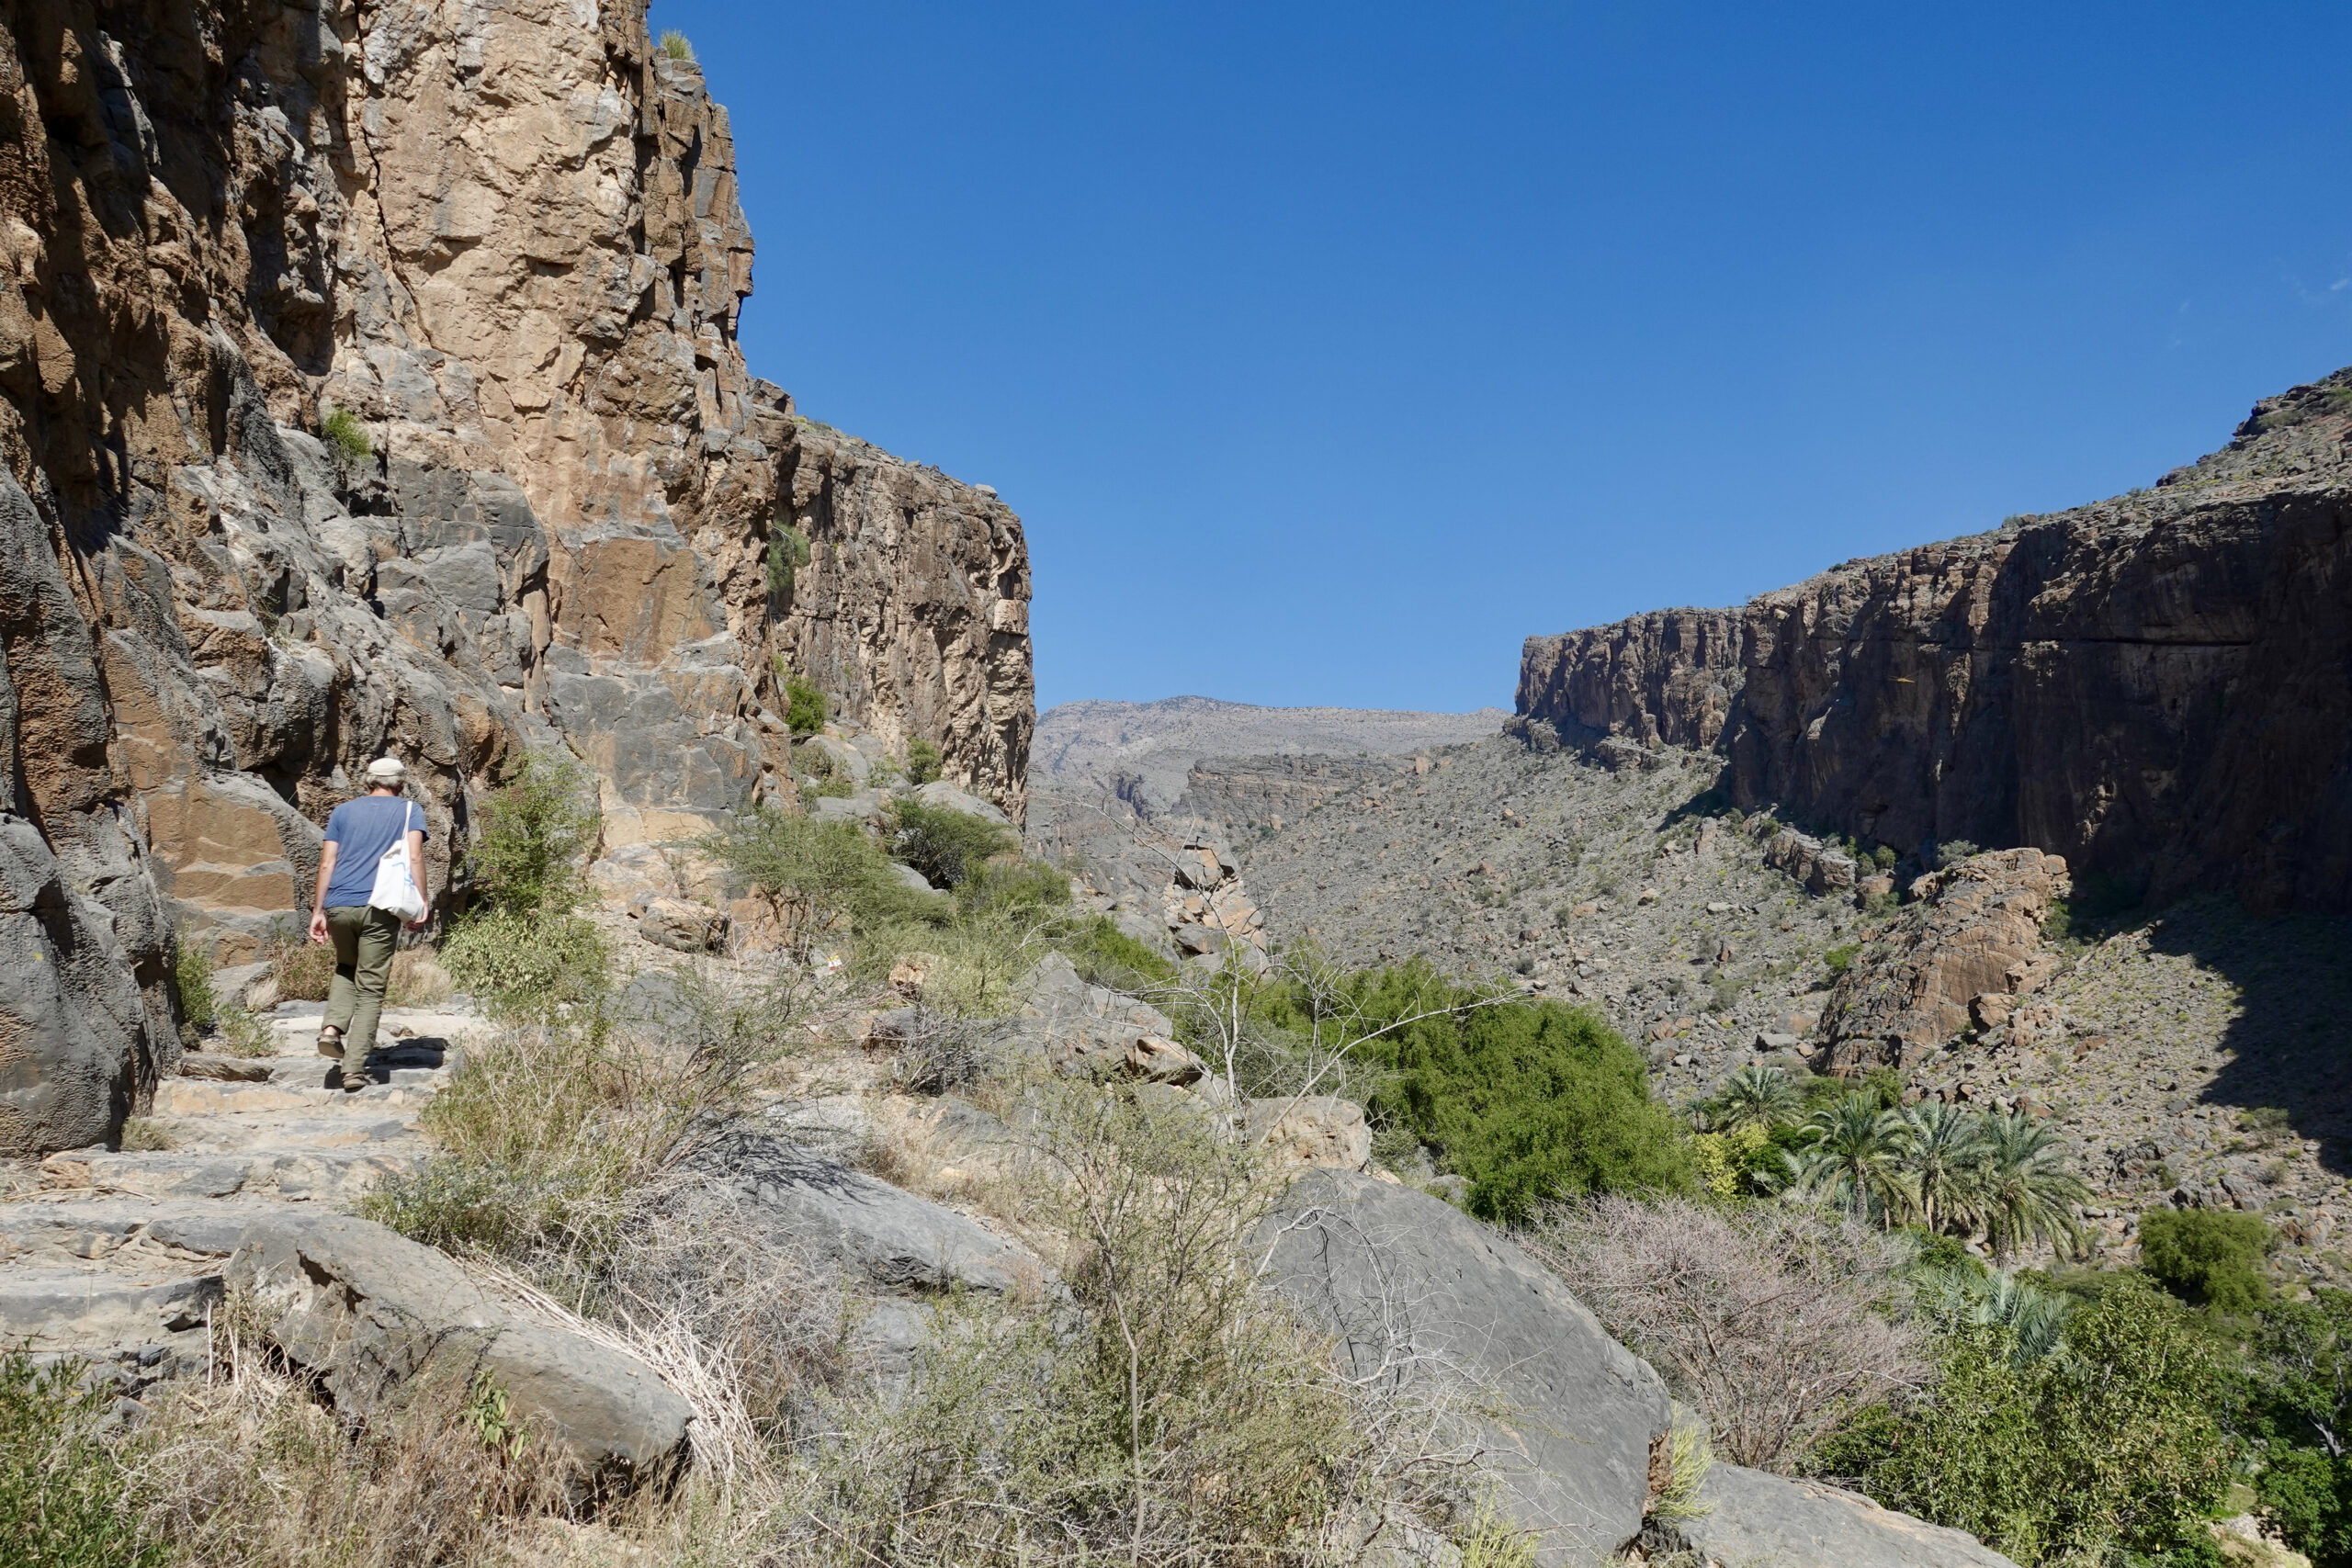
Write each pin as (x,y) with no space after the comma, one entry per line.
(247,1470)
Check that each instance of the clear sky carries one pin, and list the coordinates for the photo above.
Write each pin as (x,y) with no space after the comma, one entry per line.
(1330,350)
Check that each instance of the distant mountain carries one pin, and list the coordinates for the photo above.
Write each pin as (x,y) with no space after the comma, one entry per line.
(1143,750)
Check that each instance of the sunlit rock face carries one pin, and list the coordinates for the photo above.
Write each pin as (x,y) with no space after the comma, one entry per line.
(498,248)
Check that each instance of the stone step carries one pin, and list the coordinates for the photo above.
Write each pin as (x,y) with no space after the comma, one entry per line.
(338,1176)
(101,1310)
(208,1097)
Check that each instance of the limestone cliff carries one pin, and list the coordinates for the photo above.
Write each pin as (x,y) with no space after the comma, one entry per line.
(2157,688)
(502,242)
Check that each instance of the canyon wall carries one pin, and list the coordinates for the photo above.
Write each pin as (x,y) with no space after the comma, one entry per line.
(2156,687)
(496,249)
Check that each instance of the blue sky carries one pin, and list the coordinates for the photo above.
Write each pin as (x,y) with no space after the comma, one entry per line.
(1329,351)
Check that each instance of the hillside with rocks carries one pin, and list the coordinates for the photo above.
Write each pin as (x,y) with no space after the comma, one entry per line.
(328,433)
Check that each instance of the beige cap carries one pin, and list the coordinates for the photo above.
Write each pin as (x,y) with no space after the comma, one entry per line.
(387,770)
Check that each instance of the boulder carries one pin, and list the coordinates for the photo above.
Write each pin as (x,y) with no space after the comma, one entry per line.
(1085,1031)
(863,807)
(683,925)
(1422,1295)
(1808,860)
(1313,1130)
(845,759)
(915,881)
(939,793)
(1152,1059)
(857,1222)
(1753,1518)
(366,1311)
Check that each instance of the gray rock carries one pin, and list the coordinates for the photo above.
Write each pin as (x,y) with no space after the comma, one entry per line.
(1196,938)
(1085,1031)
(915,880)
(847,760)
(683,925)
(1759,1518)
(947,797)
(1413,1286)
(858,807)
(366,1311)
(894,1239)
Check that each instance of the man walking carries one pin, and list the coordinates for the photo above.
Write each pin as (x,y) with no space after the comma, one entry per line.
(359,833)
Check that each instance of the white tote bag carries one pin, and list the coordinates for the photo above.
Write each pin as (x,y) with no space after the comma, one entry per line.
(396,887)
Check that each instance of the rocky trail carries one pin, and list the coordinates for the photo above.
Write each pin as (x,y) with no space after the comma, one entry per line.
(118,1255)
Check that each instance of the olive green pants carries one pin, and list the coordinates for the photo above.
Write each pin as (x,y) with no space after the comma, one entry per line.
(365,939)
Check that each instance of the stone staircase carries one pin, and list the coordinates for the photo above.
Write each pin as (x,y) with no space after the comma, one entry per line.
(116,1256)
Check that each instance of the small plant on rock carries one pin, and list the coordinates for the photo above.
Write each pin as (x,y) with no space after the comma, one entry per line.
(787,553)
(803,707)
(674,45)
(345,437)
(923,762)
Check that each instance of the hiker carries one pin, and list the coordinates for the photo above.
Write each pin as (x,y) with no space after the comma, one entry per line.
(360,833)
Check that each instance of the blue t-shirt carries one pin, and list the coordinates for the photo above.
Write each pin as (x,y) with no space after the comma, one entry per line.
(361,831)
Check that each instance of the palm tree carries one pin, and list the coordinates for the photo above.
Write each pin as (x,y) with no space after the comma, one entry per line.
(2035,1317)
(1943,1156)
(1855,1158)
(2028,1193)
(1755,1096)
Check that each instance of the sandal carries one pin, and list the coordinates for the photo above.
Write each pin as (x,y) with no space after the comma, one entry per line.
(330,1042)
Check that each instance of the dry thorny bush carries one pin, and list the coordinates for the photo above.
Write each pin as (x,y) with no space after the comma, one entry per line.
(1774,1322)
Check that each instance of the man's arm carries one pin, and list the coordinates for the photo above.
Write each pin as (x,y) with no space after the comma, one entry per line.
(319,903)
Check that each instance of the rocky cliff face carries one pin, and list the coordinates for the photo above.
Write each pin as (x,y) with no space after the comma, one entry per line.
(2157,688)
(501,243)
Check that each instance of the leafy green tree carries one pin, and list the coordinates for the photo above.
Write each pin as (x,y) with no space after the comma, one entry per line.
(923,762)
(532,840)
(803,707)
(2106,1450)
(816,873)
(2028,1195)
(948,847)
(2298,1408)
(1526,1101)
(787,553)
(2206,1258)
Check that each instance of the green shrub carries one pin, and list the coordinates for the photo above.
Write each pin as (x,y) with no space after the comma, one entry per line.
(923,762)
(1883,857)
(2109,1452)
(534,835)
(1952,851)
(1526,1100)
(817,873)
(787,553)
(345,437)
(803,707)
(528,964)
(946,846)
(2206,1258)
(674,45)
(1033,885)
(192,977)
(1840,959)
(64,1500)
(1105,956)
